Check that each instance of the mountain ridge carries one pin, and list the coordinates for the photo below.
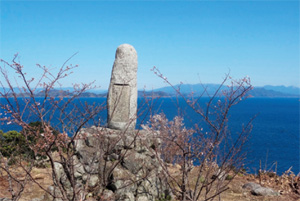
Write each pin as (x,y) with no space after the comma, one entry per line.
(267,91)
(198,89)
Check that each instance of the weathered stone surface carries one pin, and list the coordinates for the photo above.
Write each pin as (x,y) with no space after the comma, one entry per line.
(142,198)
(108,195)
(128,157)
(78,168)
(93,181)
(251,186)
(258,190)
(134,162)
(122,94)
(55,192)
(126,197)
(5,199)
(263,191)
(136,175)
(42,198)
(61,175)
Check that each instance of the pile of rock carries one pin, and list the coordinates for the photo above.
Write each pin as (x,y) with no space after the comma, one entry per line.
(118,162)
(115,164)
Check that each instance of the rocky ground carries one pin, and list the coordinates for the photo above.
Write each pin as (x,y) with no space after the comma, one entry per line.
(139,160)
(236,192)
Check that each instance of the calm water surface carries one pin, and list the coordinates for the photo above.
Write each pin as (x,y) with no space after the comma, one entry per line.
(275,134)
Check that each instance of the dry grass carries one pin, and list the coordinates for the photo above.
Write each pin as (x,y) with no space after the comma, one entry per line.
(41,175)
(235,192)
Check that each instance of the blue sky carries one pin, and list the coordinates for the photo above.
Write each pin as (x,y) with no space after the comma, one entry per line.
(189,41)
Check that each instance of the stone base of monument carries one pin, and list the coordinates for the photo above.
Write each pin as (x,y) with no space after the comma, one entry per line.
(115,165)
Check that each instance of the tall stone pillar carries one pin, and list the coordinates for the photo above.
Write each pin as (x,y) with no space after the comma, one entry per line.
(122,93)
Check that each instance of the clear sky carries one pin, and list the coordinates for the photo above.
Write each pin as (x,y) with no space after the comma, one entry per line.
(189,41)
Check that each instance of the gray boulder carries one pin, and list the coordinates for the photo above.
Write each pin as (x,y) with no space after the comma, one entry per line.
(258,190)
(5,199)
(251,186)
(263,191)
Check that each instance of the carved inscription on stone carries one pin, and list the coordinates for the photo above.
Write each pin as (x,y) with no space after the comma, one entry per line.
(121,100)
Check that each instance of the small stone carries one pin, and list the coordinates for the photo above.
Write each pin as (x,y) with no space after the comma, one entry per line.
(142,198)
(108,195)
(93,181)
(128,197)
(42,198)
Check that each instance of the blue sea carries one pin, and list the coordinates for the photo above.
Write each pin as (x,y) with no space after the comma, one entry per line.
(274,138)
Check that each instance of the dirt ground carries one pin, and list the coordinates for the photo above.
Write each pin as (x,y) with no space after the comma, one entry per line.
(236,193)
(42,177)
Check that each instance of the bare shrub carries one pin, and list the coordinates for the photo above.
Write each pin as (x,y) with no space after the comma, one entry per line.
(26,99)
(209,144)
(60,127)
(217,153)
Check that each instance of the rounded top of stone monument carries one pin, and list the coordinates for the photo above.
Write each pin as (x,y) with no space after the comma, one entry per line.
(125,50)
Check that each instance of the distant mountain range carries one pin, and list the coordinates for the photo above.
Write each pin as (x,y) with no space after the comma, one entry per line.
(284,89)
(265,91)
(186,89)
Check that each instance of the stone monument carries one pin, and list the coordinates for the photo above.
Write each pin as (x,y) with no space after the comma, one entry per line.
(114,163)
(122,93)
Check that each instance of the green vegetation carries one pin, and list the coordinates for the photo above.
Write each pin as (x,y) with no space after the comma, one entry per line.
(165,198)
(229,177)
(13,144)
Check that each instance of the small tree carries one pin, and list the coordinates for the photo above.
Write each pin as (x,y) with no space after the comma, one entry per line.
(37,100)
(209,144)
(34,99)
